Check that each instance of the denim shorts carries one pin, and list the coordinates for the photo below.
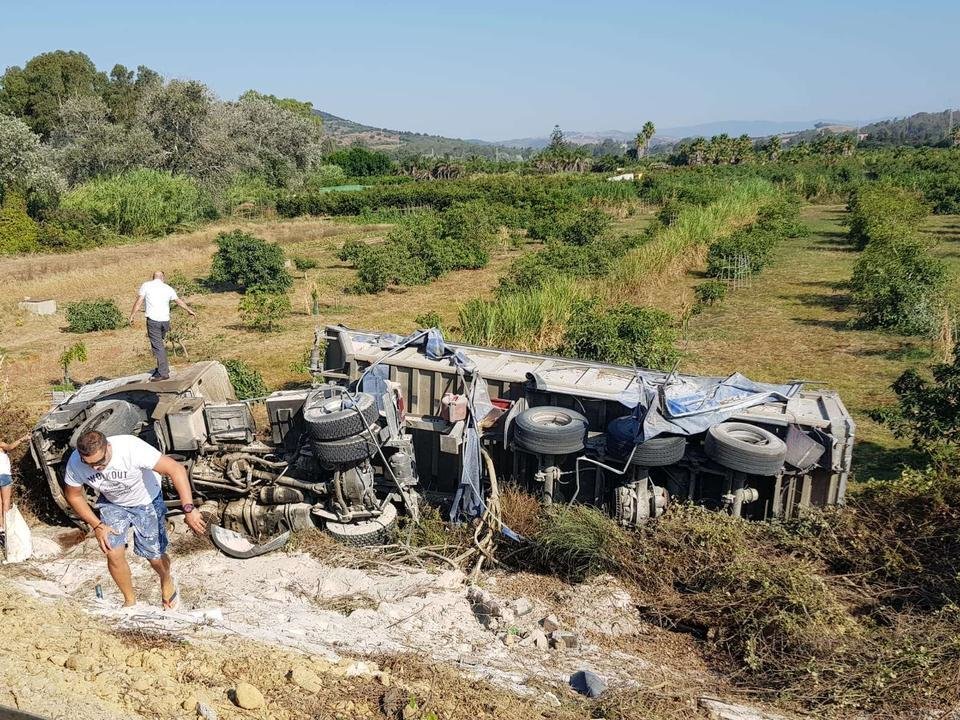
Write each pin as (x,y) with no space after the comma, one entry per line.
(148,523)
(5,480)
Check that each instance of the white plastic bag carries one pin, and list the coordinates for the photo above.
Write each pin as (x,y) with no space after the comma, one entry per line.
(19,543)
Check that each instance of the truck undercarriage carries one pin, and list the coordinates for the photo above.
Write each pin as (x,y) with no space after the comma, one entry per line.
(392,422)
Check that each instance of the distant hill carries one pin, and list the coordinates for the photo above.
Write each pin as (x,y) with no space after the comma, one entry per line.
(919,129)
(396,142)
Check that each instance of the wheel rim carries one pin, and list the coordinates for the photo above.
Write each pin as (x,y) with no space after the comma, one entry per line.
(552,418)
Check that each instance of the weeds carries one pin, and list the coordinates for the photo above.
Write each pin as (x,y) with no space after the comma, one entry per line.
(92,315)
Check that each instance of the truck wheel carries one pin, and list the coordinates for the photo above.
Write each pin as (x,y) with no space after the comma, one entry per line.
(550,430)
(111,417)
(746,448)
(656,452)
(345,451)
(377,531)
(339,417)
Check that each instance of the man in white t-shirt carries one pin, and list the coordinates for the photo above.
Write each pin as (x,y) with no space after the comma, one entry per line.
(155,297)
(125,471)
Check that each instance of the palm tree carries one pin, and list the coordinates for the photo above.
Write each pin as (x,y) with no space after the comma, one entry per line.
(638,142)
(647,132)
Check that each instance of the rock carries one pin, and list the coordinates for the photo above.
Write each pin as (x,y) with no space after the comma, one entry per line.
(190,703)
(360,669)
(392,702)
(38,307)
(383,677)
(561,640)
(507,615)
(588,683)
(247,696)
(142,683)
(206,712)
(321,664)
(522,606)
(58,659)
(79,662)
(135,660)
(509,639)
(539,640)
(551,699)
(550,623)
(304,678)
(727,711)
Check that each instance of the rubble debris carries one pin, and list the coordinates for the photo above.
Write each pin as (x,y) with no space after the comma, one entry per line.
(561,640)
(588,683)
(247,696)
(305,679)
(720,710)
(550,624)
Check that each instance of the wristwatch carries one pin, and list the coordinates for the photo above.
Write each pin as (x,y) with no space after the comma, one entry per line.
(188,508)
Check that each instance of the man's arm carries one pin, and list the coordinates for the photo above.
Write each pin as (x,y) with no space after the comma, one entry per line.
(182,304)
(83,510)
(136,307)
(7,447)
(166,465)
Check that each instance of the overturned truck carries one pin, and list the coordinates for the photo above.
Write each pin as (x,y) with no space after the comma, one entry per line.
(392,422)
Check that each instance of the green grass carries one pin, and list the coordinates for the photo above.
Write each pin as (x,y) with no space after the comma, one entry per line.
(794,322)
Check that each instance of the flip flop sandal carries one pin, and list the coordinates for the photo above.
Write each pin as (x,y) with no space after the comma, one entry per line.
(173,602)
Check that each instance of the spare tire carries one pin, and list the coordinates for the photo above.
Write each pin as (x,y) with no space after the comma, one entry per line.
(111,417)
(656,452)
(333,418)
(346,450)
(746,448)
(550,430)
(376,531)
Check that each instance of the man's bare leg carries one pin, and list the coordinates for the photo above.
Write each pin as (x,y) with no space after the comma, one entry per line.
(120,572)
(162,567)
(6,497)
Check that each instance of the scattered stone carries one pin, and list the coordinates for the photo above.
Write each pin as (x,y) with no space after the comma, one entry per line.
(551,699)
(304,678)
(561,640)
(383,677)
(58,659)
(539,640)
(247,696)
(509,639)
(142,683)
(392,702)
(79,662)
(190,703)
(550,623)
(206,712)
(588,683)
(507,615)
(360,669)
(727,711)
(522,606)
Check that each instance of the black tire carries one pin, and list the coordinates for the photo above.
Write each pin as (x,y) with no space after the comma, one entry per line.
(377,531)
(111,417)
(328,419)
(550,430)
(660,451)
(745,448)
(346,450)
(656,452)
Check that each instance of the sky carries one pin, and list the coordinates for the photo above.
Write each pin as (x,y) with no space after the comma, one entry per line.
(501,70)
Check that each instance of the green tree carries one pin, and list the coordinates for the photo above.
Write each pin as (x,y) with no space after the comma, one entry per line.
(125,90)
(249,263)
(23,163)
(18,231)
(36,92)
(297,107)
(358,161)
(265,311)
(75,353)
(646,135)
(773,148)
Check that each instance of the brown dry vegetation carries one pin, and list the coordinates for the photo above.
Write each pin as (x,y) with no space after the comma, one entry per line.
(33,344)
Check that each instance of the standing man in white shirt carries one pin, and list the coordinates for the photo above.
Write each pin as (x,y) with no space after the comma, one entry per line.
(155,296)
(126,472)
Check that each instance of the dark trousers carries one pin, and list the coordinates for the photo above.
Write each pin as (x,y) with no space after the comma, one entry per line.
(157,331)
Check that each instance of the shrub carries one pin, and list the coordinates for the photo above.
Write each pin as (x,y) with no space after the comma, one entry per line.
(360,162)
(928,410)
(250,194)
(781,217)
(141,202)
(624,335)
(753,245)
(670,211)
(579,541)
(577,227)
(324,176)
(302,263)
(710,292)
(883,211)
(18,231)
(65,230)
(264,311)
(351,251)
(897,285)
(247,381)
(185,286)
(430,319)
(247,262)
(92,315)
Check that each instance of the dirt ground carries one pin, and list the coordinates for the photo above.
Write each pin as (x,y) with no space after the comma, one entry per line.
(319,641)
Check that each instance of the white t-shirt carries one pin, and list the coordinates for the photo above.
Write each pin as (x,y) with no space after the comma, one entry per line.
(4,463)
(157,296)
(128,480)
